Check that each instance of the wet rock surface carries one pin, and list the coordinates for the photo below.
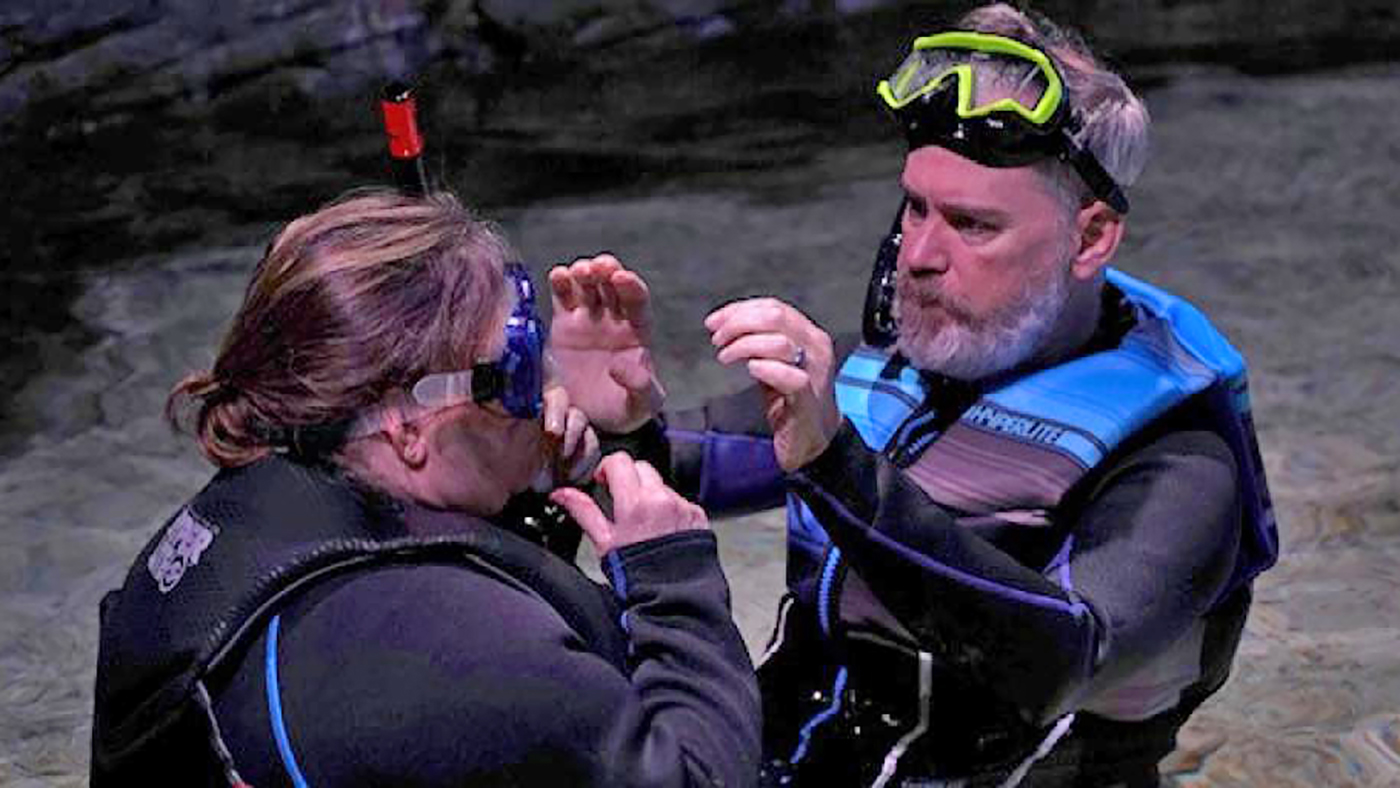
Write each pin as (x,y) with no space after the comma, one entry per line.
(1270,202)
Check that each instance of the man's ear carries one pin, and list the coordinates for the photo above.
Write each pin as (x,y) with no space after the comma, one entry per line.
(1100,229)
(407,437)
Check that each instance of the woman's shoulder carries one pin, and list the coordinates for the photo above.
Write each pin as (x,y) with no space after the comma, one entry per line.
(422,669)
(419,603)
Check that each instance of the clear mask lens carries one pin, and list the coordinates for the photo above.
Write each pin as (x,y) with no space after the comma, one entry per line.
(987,78)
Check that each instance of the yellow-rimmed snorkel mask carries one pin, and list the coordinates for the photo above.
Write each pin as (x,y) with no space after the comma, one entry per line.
(992,99)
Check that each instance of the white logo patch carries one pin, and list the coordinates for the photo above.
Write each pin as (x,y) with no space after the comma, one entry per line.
(184,541)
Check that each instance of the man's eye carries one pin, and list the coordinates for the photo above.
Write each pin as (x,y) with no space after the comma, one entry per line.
(916,209)
(971,225)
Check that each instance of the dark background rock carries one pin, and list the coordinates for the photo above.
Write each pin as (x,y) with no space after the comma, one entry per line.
(136,126)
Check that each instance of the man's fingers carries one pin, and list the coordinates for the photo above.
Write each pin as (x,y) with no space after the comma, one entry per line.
(632,369)
(635,373)
(583,274)
(586,513)
(755,316)
(607,296)
(574,425)
(597,277)
(602,285)
(771,346)
(782,378)
(718,316)
(604,264)
(588,295)
(744,305)
(695,516)
(585,458)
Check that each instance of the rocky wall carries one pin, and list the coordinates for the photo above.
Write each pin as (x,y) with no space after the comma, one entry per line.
(103,60)
(133,127)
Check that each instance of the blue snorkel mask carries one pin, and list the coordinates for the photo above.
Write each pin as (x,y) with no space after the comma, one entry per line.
(516,379)
(521,371)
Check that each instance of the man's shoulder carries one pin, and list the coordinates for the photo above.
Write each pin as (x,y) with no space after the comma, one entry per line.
(1187,432)
(1191,424)
(1185,440)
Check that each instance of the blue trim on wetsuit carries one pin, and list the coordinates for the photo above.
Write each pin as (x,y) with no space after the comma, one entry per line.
(877,396)
(617,576)
(825,589)
(274,707)
(804,736)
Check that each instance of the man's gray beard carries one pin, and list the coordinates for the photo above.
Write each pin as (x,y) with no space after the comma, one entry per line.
(971,350)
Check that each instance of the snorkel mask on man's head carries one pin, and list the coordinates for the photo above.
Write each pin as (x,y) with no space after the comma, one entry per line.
(994,100)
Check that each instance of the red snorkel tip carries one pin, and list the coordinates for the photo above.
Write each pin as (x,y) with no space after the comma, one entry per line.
(400,114)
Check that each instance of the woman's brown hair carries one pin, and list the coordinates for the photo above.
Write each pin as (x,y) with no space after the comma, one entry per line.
(359,298)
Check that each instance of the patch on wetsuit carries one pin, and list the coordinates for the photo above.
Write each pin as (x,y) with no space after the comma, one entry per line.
(184,541)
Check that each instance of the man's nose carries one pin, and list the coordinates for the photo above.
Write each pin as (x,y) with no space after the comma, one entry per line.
(923,250)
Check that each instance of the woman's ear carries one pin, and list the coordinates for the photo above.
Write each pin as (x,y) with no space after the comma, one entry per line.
(408,438)
(1100,229)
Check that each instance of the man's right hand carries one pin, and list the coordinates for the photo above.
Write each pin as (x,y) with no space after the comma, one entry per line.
(643,507)
(600,337)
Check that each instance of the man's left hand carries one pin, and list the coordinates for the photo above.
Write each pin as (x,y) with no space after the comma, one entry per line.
(792,358)
(600,337)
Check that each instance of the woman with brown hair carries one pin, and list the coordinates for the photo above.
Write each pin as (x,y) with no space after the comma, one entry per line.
(348,602)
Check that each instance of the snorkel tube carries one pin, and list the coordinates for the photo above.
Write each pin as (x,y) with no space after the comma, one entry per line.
(529,512)
(877,326)
(399,112)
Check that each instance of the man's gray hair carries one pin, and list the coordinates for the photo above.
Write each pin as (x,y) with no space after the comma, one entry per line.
(1113,121)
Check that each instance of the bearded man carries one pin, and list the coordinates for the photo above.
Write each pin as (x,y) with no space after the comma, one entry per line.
(1025,511)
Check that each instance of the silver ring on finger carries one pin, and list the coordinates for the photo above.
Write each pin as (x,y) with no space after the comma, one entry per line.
(799,358)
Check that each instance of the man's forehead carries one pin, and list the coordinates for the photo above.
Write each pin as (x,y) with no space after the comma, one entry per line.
(939,175)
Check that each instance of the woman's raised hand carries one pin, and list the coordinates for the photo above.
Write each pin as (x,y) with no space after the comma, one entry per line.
(643,507)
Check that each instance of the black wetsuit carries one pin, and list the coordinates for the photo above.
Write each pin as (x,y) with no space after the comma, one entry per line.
(494,665)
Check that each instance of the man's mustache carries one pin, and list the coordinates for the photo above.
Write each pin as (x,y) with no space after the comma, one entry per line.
(922,294)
